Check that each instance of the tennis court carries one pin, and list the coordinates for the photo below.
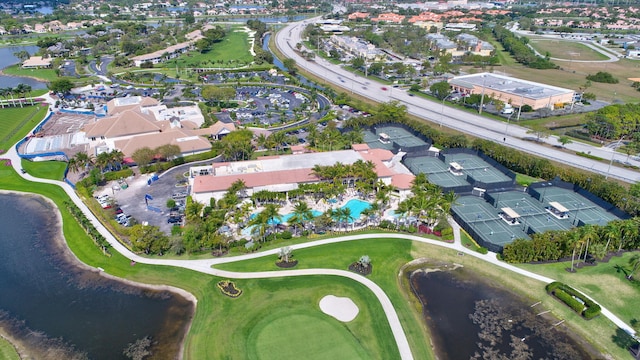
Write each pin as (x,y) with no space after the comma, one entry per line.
(477,168)
(580,208)
(401,137)
(486,221)
(437,172)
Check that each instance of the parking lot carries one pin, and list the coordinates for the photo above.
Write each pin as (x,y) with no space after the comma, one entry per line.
(148,203)
(265,105)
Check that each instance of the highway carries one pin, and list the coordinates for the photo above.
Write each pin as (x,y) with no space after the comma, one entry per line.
(476,125)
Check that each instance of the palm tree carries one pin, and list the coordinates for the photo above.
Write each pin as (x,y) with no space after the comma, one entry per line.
(72,164)
(3,93)
(588,233)
(302,211)
(262,141)
(117,157)
(20,90)
(610,232)
(102,160)
(447,201)
(574,240)
(629,231)
(83,160)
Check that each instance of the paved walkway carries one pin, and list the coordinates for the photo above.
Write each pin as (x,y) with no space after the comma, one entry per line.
(205,265)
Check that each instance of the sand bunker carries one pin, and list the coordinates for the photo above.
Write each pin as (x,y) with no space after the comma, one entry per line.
(341,308)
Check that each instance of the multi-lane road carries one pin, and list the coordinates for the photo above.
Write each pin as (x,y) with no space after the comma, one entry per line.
(510,135)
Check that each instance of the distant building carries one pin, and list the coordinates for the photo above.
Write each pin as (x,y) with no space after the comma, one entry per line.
(390,18)
(509,90)
(474,45)
(37,62)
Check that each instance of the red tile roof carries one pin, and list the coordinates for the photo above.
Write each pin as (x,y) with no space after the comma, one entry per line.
(209,183)
(402,181)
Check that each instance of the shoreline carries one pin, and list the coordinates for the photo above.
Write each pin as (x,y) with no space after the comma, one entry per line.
(69,256)
(24,76)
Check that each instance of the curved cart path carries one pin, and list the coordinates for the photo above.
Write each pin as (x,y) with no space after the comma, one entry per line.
(205,265)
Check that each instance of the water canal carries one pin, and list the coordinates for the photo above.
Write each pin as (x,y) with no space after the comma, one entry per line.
(55,308)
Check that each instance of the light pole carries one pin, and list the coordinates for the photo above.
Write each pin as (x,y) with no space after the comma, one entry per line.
(442,108)
(484,78)
(613,154)
(520,107)
(504,137)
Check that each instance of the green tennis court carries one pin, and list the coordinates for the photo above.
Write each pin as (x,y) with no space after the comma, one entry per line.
(580,208)
(437,172)
(401,137)
(477,168)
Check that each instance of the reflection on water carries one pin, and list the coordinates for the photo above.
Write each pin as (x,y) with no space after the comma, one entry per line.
(472,320)
(47,301)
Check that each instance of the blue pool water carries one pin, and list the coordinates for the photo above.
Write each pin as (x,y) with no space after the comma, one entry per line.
(357,207)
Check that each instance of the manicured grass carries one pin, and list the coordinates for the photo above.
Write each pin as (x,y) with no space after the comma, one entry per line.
(525,180)
(602,282)
(468,242)
(15,120)
(234,47)
(53,170)
(285,334)
(40,74)
(387,257)
(7,351)
(569,50)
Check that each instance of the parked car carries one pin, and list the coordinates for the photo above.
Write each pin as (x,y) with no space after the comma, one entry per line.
(174,219)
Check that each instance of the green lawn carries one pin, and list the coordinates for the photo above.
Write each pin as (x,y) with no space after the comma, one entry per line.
(387,257)
(287,334)
(569,50)
(17,122)
(53,170)
(7,351)
(602,282)
(232,51)
(525,180)
(468,242)
(40,74)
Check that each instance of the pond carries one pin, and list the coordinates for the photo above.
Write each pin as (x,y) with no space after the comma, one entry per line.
(50,301)
(7,59)
(472,319)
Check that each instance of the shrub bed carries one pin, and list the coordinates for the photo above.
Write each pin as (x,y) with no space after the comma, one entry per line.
(574,299)
(116,175)
(229,288)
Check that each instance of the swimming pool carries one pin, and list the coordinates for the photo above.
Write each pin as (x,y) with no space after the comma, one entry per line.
(356,206)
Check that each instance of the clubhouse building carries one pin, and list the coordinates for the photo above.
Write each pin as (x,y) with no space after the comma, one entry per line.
(284,173)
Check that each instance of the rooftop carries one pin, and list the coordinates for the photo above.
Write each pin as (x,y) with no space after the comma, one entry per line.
(509,85)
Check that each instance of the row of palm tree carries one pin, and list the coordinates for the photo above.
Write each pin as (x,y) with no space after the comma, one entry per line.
(580,243)
(8,94)
(83,161)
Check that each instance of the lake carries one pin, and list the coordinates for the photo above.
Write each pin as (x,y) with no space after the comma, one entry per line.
(469,318)
(7,59)
(48,300)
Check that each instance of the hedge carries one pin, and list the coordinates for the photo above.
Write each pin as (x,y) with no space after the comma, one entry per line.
(116,175)
(569,296)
